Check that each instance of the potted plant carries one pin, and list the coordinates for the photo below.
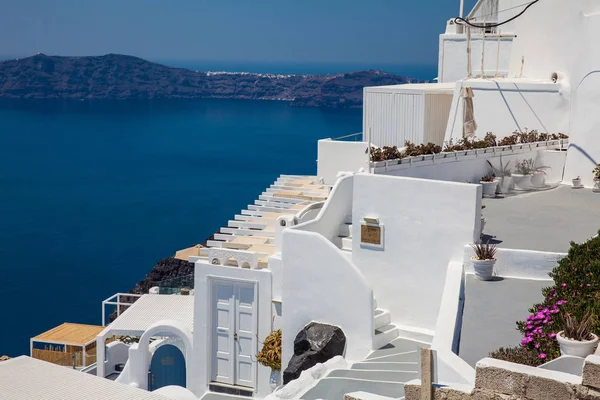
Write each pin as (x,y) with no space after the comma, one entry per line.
(597,178)
(504,175)
(577,338)
(270,356)
(577,183)
(523,174)
(538,179)
(484,260)
(489,184)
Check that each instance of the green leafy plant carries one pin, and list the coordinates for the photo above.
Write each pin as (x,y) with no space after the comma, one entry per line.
(596,173)
(525,167)
(576,291)
(270,355)
(503,171)
(485,251)
(580,330)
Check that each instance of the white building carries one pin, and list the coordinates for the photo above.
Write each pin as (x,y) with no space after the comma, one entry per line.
(381,249)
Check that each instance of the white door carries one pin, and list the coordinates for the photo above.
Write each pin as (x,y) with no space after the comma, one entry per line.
(234,327)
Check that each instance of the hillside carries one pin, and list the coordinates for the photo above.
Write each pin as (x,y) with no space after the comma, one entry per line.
(116,76)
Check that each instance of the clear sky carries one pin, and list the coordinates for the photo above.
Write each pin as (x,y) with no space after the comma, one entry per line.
(327,31)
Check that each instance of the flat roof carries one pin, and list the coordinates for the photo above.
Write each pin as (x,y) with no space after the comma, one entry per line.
(67,333)
(151,308)
(543,221)
(444,88)
(25,378)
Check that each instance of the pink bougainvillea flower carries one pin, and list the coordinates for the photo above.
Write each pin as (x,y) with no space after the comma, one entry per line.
(543,355)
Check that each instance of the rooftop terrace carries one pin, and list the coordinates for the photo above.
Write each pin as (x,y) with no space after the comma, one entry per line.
(543,221)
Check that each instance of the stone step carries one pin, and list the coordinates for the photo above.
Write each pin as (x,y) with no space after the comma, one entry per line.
(347,244)
(375,375)
(345,230)
(384,335)
(409,356)
(335,388)
(387,366)
(381,318)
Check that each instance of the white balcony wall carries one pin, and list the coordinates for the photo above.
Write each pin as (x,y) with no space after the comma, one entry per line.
(417,113)
(506,106)
(320,284)
(336,156)
(337,207)
(471,168)
(493,53)
(426,225)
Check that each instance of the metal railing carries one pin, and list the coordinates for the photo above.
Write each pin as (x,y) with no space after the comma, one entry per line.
(174,285)
(120,305)
(354,136)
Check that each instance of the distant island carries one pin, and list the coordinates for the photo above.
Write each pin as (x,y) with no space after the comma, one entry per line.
(115,77)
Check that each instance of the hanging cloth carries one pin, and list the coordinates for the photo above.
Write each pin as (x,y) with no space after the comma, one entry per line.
(469,124)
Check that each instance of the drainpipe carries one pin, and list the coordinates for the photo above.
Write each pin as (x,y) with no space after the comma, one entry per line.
(462,9)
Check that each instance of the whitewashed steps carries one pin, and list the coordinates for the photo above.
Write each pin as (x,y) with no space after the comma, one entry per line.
(375,375)
(381,318)
(387,366)
(335,388)
(385,335)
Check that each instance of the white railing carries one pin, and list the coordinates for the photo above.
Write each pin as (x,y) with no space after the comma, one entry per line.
(379,167)
(110,302)
(334,212)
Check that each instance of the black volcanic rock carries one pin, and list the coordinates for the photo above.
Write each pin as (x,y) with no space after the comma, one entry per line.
(116,76)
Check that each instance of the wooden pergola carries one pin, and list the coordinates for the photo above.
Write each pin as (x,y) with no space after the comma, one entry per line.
(68,345)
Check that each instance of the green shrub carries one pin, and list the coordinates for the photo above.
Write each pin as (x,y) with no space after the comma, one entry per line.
(518,355)
(576,291)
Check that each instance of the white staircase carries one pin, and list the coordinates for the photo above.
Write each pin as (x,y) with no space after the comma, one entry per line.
(384,330)
(344,239)
(382,373)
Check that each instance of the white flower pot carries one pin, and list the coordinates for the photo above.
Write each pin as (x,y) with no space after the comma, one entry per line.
(489,188)
(577,183)
(522,182)
(538,179)
(504,184)
(484,269)
(576,348)
(275,379)
(596,185)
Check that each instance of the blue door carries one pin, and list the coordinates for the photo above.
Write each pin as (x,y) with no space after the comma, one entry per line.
(167,368)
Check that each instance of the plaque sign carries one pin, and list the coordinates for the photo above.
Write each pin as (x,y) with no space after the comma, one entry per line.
(370,234)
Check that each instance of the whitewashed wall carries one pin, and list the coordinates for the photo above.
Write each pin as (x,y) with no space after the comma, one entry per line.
(472,168)
(337,156)
(452,62)
(201,360)
(561,36)
(320,284)
(426,225)
(505,107)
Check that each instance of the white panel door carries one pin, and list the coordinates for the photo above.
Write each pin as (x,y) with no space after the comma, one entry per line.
(244,335)
(223,329)
(234,331)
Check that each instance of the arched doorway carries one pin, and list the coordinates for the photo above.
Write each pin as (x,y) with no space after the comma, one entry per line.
(167,368)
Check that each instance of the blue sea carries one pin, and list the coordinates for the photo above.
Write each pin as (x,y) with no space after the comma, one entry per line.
(93,194)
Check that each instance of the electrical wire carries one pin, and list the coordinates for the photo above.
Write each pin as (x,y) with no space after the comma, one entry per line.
(460,19)
(501,11)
